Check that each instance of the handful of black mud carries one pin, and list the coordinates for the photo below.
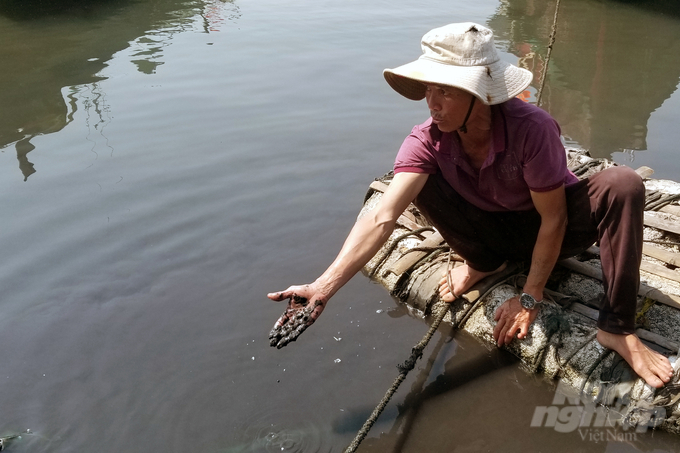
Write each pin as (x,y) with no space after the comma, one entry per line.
(293,321)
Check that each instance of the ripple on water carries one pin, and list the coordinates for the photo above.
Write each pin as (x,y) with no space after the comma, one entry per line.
(269,432)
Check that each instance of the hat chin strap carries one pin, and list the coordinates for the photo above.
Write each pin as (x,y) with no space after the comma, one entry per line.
(463,128)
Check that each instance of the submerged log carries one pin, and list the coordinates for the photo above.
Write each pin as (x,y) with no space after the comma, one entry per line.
(561,342)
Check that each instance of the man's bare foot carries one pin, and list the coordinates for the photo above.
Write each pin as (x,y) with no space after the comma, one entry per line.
(651,366)
(462,279)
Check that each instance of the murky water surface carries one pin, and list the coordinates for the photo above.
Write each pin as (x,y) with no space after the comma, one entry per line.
(164,164)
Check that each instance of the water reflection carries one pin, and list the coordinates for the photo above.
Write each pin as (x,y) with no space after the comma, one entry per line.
(53,55)
(612,65)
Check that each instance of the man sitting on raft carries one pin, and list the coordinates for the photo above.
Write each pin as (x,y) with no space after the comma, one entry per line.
(489,172)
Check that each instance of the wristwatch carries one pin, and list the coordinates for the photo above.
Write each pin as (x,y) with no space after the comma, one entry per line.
(528,301)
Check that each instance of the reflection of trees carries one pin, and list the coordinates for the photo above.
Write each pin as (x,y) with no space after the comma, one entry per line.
(27,10)
(43,54)
(612,65)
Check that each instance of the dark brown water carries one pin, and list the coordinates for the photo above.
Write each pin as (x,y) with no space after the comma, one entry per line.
(165,164)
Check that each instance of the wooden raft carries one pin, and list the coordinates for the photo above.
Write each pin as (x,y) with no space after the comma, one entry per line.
(561,342)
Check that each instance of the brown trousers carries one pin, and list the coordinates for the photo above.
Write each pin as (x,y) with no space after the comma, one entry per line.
(608,208)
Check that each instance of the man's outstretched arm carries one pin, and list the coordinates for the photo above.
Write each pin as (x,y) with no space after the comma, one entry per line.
(306,302)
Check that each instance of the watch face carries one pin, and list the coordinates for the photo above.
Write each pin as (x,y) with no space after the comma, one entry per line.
(527,301)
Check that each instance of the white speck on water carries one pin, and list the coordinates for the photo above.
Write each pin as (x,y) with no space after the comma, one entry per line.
(337,360)
(253,358)
(379,311)
(337,339)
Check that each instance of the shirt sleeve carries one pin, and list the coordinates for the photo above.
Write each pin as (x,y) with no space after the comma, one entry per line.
(545,160)
(416,154)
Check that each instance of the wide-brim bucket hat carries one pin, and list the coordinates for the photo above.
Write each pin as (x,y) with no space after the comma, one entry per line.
(460,55)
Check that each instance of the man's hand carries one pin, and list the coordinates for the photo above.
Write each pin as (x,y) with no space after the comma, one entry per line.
(305,304)
(512,317)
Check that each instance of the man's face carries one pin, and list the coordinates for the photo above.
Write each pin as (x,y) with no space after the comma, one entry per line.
(448,106)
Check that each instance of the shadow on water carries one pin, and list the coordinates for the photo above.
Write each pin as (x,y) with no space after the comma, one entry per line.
(444,410)
(665,7)
(460,369)
(26,10)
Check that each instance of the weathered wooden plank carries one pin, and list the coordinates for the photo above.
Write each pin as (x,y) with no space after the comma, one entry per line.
(379,186)
(659,270)
(406,222)
(667,299)
(652,251)
(585,310)
(653,221)
(664,255)
(582,268)
(657,339)
(408,214)
(644,172)
(671,209)
(646,291)
(644,334)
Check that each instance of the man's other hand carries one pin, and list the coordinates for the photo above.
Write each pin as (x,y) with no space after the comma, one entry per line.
(511,317)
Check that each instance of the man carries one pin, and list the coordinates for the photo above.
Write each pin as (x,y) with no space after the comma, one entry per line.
(489,171)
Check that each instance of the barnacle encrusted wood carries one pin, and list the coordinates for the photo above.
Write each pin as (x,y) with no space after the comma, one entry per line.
(561,342)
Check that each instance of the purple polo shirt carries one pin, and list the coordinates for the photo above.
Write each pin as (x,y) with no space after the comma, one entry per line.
(526,154)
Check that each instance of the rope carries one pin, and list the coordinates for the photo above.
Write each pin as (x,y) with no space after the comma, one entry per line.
(583,168)
(404,368)
(393,245)
(553,33)
(660,201)
(592,368)
(416,353)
